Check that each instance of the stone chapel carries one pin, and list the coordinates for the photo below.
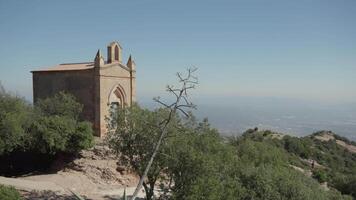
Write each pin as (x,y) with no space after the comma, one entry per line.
(97,85)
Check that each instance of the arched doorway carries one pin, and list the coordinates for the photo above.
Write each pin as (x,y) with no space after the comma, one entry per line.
(117,97)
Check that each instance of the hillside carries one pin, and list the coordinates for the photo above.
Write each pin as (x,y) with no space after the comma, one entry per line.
(324,156)
(269,165)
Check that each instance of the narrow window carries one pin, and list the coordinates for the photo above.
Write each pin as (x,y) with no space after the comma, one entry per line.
(116,53)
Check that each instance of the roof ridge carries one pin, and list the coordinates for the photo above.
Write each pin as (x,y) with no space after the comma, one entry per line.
(76,63)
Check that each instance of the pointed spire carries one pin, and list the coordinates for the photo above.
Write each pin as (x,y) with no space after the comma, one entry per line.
(98,54)
(131,63)
(99,60)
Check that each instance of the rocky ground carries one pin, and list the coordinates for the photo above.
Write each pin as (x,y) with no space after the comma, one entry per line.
(95,174)
(326,136)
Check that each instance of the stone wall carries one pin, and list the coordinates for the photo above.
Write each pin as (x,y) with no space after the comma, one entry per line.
(80,83)
(111,77)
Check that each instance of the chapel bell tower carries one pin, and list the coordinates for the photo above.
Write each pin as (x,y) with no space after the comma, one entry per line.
(114,52)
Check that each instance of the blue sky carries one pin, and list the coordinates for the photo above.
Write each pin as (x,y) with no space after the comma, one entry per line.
(287,49)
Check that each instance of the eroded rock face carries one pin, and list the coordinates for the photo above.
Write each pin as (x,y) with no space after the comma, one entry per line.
(95,173)
(101,166)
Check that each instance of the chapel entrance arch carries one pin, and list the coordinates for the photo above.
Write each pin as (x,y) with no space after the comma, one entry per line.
(117,97)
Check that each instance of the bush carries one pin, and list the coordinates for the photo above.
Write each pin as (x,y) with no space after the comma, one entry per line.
(260,153)
(56,127)
(298,146)
(15,118)
(50,127)
(320,175)
(9,193)
(42,131)
(61,104)
(201,165)
(345,185)
(54,134)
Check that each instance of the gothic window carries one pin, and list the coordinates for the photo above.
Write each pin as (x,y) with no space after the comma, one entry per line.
(116,53)
(110,58)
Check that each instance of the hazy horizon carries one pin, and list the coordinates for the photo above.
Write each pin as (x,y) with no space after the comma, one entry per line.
(284,115)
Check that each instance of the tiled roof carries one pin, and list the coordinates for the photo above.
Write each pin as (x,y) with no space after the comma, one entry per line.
(68,67)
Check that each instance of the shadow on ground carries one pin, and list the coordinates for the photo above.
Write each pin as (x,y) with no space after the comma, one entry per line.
(115,197)
(22,164)
(45,195)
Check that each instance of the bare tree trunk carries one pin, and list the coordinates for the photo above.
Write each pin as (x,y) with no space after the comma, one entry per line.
(188,82)
(149,165)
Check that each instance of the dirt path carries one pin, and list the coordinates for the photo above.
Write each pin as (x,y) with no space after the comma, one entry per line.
(29,185)
(39,189)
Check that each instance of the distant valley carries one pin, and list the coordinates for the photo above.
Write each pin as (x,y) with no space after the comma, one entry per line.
(298,118)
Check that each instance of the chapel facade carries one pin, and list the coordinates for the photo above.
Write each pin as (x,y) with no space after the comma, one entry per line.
(96,85)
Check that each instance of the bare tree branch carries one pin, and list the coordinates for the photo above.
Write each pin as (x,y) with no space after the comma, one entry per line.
(188,82)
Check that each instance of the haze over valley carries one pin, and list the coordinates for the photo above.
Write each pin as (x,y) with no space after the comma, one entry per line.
(234,115)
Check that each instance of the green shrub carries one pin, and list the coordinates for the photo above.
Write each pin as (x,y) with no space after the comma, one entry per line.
(9,193)
(298,146)
(320,175)
(202,166)
(260,153)
(62,104)
(50,127)
(57,127)
(54,134)
(15,118)
(345,184)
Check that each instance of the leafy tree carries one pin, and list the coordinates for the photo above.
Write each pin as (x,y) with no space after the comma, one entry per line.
(15,118)
(50,127)
(57,127)
(134,131)
(160,127)
(53,134)
(201,165)
(61,104)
